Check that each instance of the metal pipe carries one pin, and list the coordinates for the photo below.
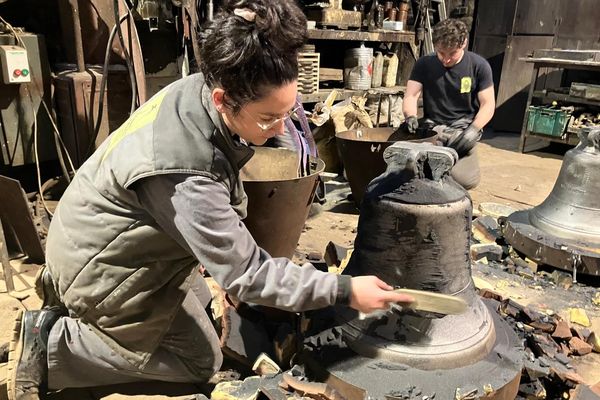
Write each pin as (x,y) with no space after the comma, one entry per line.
(77,35)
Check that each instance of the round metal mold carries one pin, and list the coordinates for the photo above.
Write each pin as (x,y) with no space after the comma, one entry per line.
(278,200)
(547,248)
(357,377)
(361,151)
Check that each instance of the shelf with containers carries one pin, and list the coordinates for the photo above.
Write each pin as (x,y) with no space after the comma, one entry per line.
(548,112)
(337,41)
(332,52)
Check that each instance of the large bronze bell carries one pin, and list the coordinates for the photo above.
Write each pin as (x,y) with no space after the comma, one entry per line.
(572,210)
(564,230)
(414,232)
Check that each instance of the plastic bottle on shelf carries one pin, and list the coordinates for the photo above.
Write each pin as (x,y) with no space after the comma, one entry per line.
(377,70)
(390,70)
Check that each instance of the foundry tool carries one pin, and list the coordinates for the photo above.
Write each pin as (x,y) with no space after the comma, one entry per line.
(278,199)
(564,231)
(414,232)
(438,304)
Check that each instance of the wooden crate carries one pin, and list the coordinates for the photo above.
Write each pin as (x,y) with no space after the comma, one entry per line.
(308,73)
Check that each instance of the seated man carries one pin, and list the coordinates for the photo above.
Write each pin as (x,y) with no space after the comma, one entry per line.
(458,97)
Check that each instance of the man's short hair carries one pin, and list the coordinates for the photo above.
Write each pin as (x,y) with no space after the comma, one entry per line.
(450,33)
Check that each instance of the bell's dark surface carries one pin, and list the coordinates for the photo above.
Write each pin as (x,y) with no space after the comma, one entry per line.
(564,230)
(413,232)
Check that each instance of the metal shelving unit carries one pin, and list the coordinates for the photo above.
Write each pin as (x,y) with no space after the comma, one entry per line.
(359,36)
(561,59)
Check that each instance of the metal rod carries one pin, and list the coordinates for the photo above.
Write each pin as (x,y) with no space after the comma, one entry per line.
(77,35)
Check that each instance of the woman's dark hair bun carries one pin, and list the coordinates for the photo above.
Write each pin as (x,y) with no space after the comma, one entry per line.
(251,45)
(278,22)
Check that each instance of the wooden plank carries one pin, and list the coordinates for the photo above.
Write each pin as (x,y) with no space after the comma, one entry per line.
(14,212)
(548,97)
(339,18)
(562,63)
(331,74)
(378,36)
(6,267)
(345,93)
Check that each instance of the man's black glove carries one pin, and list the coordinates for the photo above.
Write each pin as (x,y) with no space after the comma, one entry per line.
(465,141)
(412,123)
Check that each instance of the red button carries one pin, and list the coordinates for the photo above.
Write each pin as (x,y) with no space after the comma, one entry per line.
(17,72)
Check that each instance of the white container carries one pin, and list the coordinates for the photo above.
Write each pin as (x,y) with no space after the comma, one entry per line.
(358,64)
(377,70)
(390,70)
(393,25)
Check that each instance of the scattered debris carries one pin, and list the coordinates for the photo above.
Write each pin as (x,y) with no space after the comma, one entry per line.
(248,389)
(562,330)
(334,254)
(485,229)
(579,347)
(317,261)
(265,366)
(578,316)
(533,390)
(470,395)
(594,341)
(311,389)
(562,279)
(596,298)
(584,392)
(241,338)
(496,210)
(550,343)
(491,251)
(411,392)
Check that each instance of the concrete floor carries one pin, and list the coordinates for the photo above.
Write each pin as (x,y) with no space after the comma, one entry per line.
(508,177)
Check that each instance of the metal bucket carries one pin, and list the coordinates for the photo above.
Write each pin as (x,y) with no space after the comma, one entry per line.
(361,151)
(278,200)
(358,68)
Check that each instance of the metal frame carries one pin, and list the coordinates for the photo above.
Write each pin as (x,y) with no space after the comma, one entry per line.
(538,63)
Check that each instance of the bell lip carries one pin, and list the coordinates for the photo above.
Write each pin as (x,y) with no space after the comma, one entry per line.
(472,347)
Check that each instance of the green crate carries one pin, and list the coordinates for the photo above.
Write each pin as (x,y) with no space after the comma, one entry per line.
(547,121)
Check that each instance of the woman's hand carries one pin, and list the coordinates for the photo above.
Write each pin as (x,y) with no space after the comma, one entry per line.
(369,293)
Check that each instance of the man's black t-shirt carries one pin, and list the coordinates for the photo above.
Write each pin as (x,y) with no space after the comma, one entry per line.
(451,93)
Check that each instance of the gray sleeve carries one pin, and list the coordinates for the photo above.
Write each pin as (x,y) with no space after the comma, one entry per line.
(196,212)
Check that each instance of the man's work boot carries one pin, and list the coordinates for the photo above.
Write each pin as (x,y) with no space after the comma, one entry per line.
(27,360)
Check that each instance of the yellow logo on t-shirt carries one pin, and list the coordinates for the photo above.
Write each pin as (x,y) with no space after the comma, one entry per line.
(465,84)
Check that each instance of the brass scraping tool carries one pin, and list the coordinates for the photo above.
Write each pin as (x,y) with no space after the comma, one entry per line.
(434,302)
